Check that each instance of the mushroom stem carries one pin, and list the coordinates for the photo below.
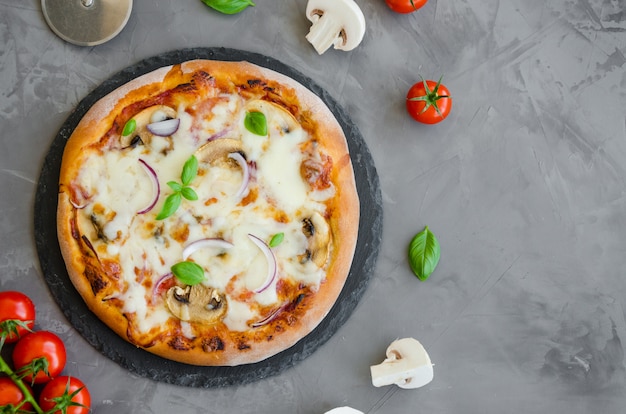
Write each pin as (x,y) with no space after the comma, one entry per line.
(325,31)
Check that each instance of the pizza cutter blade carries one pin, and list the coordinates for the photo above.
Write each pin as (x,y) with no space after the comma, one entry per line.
(86,22)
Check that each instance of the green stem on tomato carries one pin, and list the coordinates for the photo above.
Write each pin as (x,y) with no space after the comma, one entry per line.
(28,397)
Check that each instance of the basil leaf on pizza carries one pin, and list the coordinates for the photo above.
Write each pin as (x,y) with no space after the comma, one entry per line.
(190,170)
(256,123)
(162,186)
(129,127)
(276,239)
(188,273)
(172,202)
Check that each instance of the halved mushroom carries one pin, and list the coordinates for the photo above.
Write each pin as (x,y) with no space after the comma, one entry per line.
(218,149)
(275,114)
(196,303)
(335,22)
(407,365)
(151,115)
(317,231)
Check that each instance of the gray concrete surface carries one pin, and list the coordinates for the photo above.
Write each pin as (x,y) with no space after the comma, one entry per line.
(524,185)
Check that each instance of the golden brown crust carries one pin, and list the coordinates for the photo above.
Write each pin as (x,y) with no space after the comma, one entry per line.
(214,344)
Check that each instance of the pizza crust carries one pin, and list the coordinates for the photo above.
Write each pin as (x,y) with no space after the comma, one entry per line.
(99,291)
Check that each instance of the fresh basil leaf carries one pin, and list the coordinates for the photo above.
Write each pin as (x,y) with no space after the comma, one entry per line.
(129,127)
(424,253)
(175,186)
(256,123)
(276,239)
(228,6)
(190,170)
(189,273)
(189,193)
(172,202)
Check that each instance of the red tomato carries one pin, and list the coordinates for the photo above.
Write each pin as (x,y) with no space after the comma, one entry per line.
(11,394)
(65,394)
(429,102)
(35,347)
(15,306)
(405,6)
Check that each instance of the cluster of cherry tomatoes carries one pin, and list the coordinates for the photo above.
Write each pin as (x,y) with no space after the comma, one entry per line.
(427,101)
(37,362)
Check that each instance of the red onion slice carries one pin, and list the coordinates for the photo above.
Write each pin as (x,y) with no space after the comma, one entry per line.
(219,134)
(271,262)
(164,128)
(157,286)
(270,317)
(156,187)
(193,247)
(246,172)
(88,243)
(78,206)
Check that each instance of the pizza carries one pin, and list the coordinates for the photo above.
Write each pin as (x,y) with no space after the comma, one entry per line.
(208,212)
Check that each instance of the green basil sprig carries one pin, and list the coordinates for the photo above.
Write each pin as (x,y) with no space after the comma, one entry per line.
(424,253)
(189,273)
(228,6)
(173,201)
(256,123)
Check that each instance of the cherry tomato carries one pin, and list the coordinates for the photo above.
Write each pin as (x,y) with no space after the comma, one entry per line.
(405,6)
(67,394)
(11,394)
(15,306)
(36,346)
(429,102)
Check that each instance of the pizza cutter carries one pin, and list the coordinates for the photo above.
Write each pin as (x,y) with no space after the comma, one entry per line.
(86,22)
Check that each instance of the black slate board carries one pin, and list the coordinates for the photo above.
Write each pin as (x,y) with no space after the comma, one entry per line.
(142,362)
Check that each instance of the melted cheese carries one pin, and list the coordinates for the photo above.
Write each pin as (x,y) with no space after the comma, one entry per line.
(146,248)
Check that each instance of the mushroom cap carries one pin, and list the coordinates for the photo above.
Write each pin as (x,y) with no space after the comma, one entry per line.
(408,348)
(147,116)
(318,233)
(219,148)
(274,113)
(197,303)
(348,16)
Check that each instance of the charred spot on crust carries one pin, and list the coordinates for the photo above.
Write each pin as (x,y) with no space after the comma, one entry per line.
(297,301)
(179,343)
(258,83)
(201,79)
(242,346)
(255,82)
(213,344)
(95,279)
(184,87)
